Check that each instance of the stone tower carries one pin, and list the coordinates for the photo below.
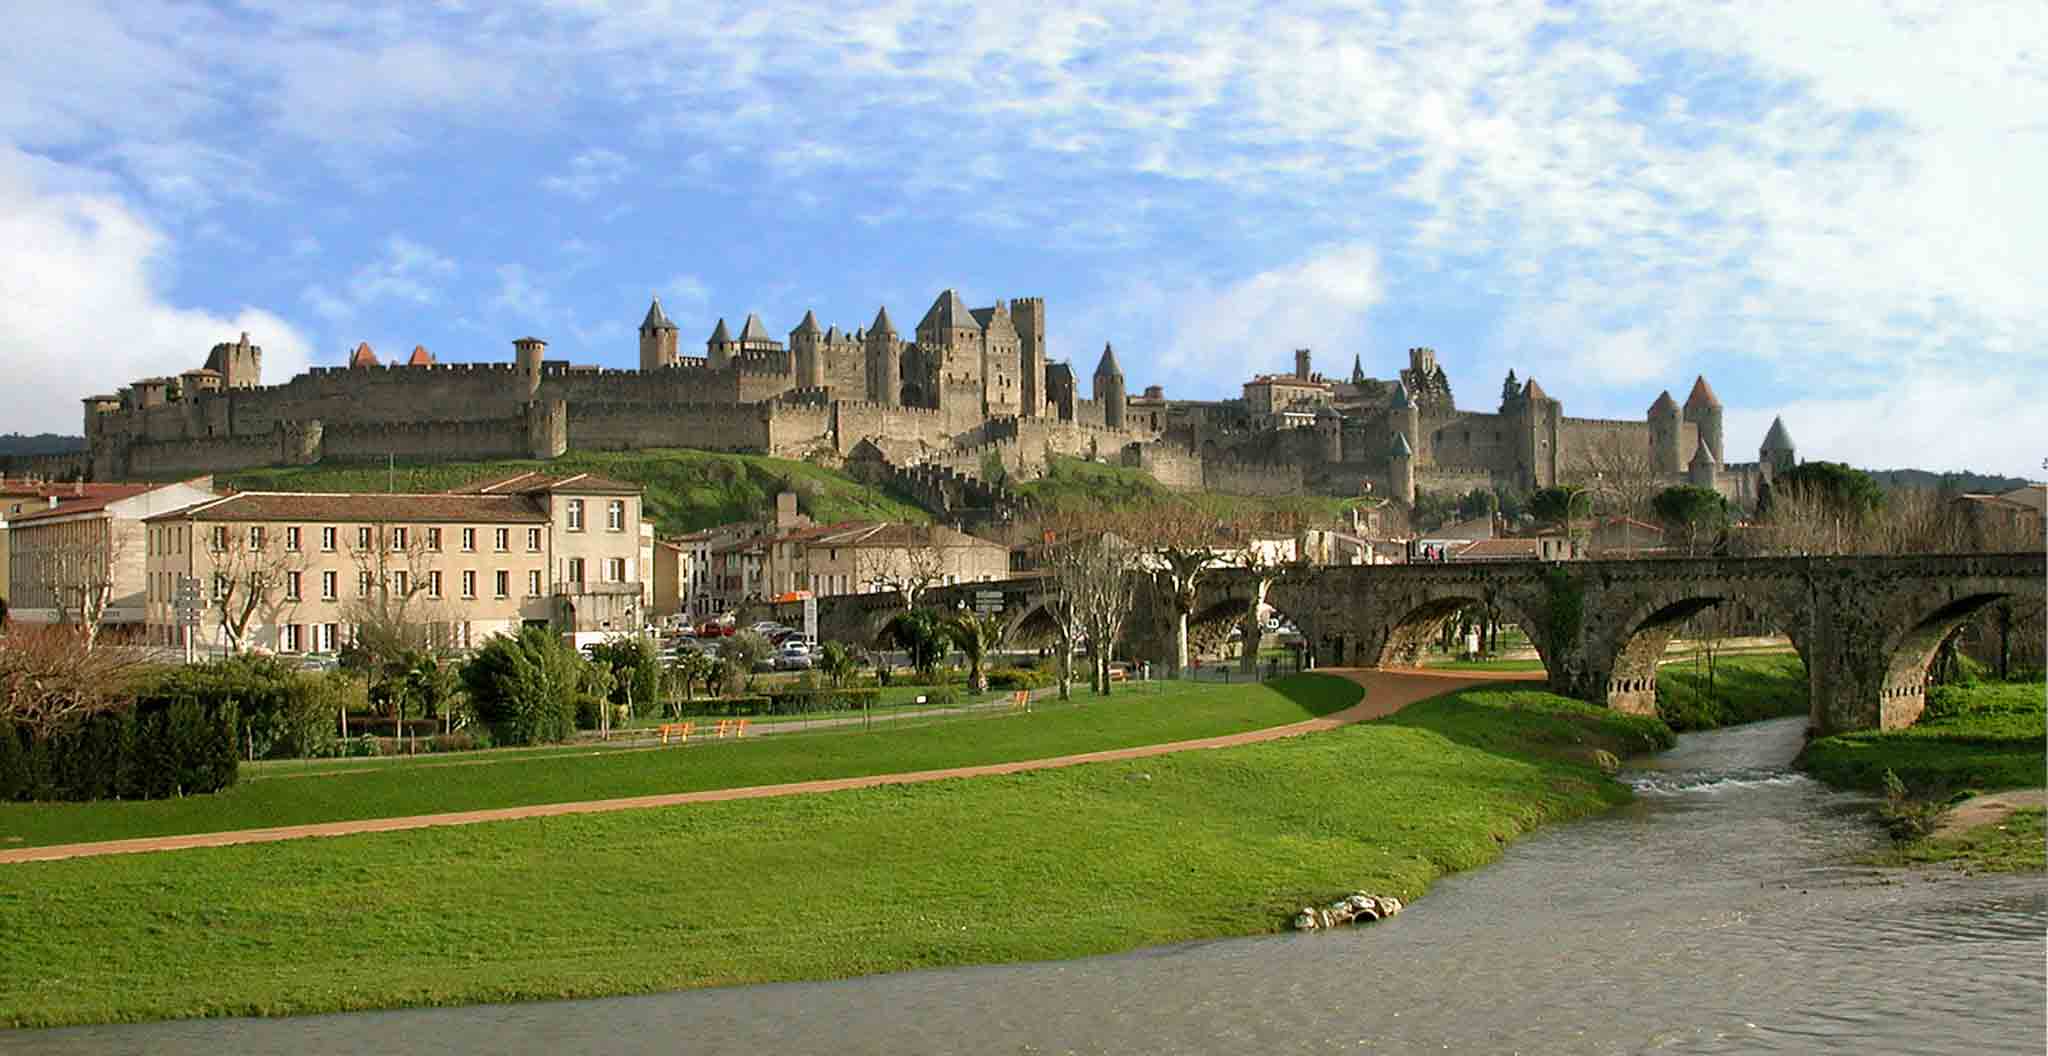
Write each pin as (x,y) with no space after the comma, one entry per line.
(1027,315)
(1301,364)
(885,361)
(1109,388)
(1401,469)
(527,355)
(719,347)
(1703,410)
(804,344)
(1664,452)
(240,365)
(1330,434)
(1777,454)
(1357,369)
(657,339)
(1700,473)
(1406,419)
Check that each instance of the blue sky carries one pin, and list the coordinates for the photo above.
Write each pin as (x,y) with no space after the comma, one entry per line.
(1833,211)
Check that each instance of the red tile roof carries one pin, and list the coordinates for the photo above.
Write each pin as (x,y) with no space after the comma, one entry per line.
(108,493)
(363,356)
(360,507)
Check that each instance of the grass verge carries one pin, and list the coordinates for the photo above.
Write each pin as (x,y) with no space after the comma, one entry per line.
(1051,864)
(2011,846)
(1972,738)
(1745,687)
(482,780)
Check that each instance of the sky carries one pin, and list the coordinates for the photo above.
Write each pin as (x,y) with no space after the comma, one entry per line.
(1833,211)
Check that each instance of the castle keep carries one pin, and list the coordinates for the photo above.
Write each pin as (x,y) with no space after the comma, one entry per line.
(965,389)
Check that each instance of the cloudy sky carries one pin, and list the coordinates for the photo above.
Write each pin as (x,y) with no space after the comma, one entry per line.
(1834,211)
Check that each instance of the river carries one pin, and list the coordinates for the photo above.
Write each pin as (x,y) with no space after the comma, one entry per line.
(1713,915)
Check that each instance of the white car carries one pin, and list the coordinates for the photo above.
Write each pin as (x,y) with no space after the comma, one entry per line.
(795,656)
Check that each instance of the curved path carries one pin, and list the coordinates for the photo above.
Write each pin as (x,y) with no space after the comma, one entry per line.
(1386,692)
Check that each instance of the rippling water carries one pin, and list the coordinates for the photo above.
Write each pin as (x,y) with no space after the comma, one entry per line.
(1713,915)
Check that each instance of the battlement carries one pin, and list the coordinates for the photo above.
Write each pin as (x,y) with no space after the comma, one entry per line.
(807,395)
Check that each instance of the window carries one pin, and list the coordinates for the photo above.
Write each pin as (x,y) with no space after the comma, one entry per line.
(220,538)
(291,538)
(502,539)
(399,537)
(533,583)
(362,538)
(615,516)
(575,515)
(220,586)
(434,540)
(326,635)
(469,584)
(401,582)
(615,570)
(575,570)
(328,585)
(468,539)
(294,637)
(291,585)
(502,583)
(533,540)
(255,537)
(433,584)
(327,538)
(362,584)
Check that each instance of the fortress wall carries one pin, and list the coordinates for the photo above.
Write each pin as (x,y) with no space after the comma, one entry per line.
(1173,467)
(1469,444)
(846,369)
(1452,481)
(1018,461)
(381,394)
(795,430)
(202,455)
(754,385)
(679,384)
(473,439)
(1576,436)
(629,426)
(1252,478)
(856,420)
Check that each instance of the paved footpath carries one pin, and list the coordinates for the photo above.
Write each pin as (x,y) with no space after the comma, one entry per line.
(1386,692)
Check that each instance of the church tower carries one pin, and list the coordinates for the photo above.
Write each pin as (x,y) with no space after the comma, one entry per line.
(657,339)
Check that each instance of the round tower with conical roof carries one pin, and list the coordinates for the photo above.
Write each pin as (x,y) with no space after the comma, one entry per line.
(1109,388)
(1700,473)
(1401,469)
(1665,457)
(884,359)
(1703,412)
(1777,454)
(719,347)
(657,339)
(804,344)
(1406,418)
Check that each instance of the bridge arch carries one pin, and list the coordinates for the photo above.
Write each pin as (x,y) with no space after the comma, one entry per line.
(1221,612)
(1909,652)
(1415,621)
(1645,629)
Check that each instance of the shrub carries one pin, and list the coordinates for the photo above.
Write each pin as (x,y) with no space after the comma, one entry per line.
(635,671)
(1009,678)
(526,688)
(283,712)
(150,749)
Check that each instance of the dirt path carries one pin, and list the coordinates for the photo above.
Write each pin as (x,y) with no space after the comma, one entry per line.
(1386,692)
(1989,810)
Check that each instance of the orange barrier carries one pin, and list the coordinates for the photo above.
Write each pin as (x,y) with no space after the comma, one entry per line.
(734,727)
(679,730)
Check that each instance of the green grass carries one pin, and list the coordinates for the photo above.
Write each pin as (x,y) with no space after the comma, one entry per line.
(686,490)
(2011,846)
(475,781)
(1078,485)
(1485,665)
(1984,738)
(1747,687)
(1051,864)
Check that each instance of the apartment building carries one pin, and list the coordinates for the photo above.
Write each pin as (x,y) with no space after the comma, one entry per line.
(299,572)
(76,553)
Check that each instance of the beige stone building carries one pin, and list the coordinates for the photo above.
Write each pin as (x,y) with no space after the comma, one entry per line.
(866,558)
(298,572)
(81,557)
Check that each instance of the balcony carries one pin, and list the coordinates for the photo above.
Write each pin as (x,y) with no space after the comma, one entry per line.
(588,588)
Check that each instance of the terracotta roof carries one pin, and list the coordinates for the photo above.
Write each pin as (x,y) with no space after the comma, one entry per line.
(1665,405)
(363,356)
(1702,394)
(69,503)
(1534,391)
(420,357)
(361,506)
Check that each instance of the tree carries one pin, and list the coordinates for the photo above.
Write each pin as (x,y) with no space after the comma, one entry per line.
(1479,502)
(1433,509)
(978,635)
(1181,545)
(689,668)
(74,568)
(636,673)
(526,687)
(1846,492)
(1095,575)
(394,589)
(741,654)
(837,663)
(250,572)
(1619,467)
(1559,504)
(1692,512)
(50,681)
(921,634)
(907,570)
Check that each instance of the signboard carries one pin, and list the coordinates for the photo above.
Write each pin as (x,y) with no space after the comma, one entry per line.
(988,601)
(185,601)
(810,617)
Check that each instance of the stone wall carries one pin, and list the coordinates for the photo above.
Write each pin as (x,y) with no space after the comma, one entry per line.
(1172,466)
(1253,478)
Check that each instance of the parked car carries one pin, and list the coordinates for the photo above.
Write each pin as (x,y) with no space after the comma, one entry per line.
(794,656)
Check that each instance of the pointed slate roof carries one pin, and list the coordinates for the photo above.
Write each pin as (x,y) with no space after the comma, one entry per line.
(1665,407)
(1778,439)
(1702,454)
(1401,400)
(363,356)
(656,318)
(1107,367)
(1357,370)
(808,326)
(949,312)
(1702,395)
(753,330)
(720,336)
(832,335)
(882,325)
(1534,391)
(1401,448)
(420,357)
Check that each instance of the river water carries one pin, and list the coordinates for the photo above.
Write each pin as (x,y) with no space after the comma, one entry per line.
(1713,915)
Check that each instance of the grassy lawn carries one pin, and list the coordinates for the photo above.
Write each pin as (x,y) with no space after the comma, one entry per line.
(2012,846)
(474,781)
(686,490)
(1076,484)
(1747,687)
(1050,864)
(1979,738)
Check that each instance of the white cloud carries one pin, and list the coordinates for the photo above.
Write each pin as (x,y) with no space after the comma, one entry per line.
(589,173)
(520,297)
(1928,419)
(84,313)
(406,271)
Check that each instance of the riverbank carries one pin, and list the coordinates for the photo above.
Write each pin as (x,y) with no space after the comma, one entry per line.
(1044,865)
(1972,740)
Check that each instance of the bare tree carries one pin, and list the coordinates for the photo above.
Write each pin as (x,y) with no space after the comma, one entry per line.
(1265,564)
(1103,586)
(1181,544)
(394,592)
(907,570)
(1618,467)
(76,573)
(48,683)
(250,572)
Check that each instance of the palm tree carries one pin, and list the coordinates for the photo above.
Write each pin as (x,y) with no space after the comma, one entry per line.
(836,661)
(978,635)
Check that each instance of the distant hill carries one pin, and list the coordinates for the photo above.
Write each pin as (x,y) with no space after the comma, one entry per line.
(39,444)
(1953,482)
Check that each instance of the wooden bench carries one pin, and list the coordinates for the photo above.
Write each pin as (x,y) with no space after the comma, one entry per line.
(732,727)
(1020,700)
(679,730)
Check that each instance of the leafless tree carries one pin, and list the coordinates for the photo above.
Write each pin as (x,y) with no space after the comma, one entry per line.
(391,616)
(49,683)
(76,572)
(1094,571)
(1180,546)
(1619,469)
(908,570)
(250,573)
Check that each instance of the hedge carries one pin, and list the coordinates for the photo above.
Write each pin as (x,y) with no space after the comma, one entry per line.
(789,702)
(159,747)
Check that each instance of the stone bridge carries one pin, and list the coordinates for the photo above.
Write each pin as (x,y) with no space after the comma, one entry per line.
(1866,627)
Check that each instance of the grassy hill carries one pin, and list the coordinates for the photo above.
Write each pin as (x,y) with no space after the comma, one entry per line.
(686,490)
(1075,484)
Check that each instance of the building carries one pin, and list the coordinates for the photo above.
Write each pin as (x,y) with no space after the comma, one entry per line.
(300,571)
(25,495)
(82,558)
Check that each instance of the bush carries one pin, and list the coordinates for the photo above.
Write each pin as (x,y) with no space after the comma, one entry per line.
(635,670)
(154,748)
(526,688)
(1009,678)
(283,712)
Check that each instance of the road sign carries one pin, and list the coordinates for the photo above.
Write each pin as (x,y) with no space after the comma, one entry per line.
(810,617)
